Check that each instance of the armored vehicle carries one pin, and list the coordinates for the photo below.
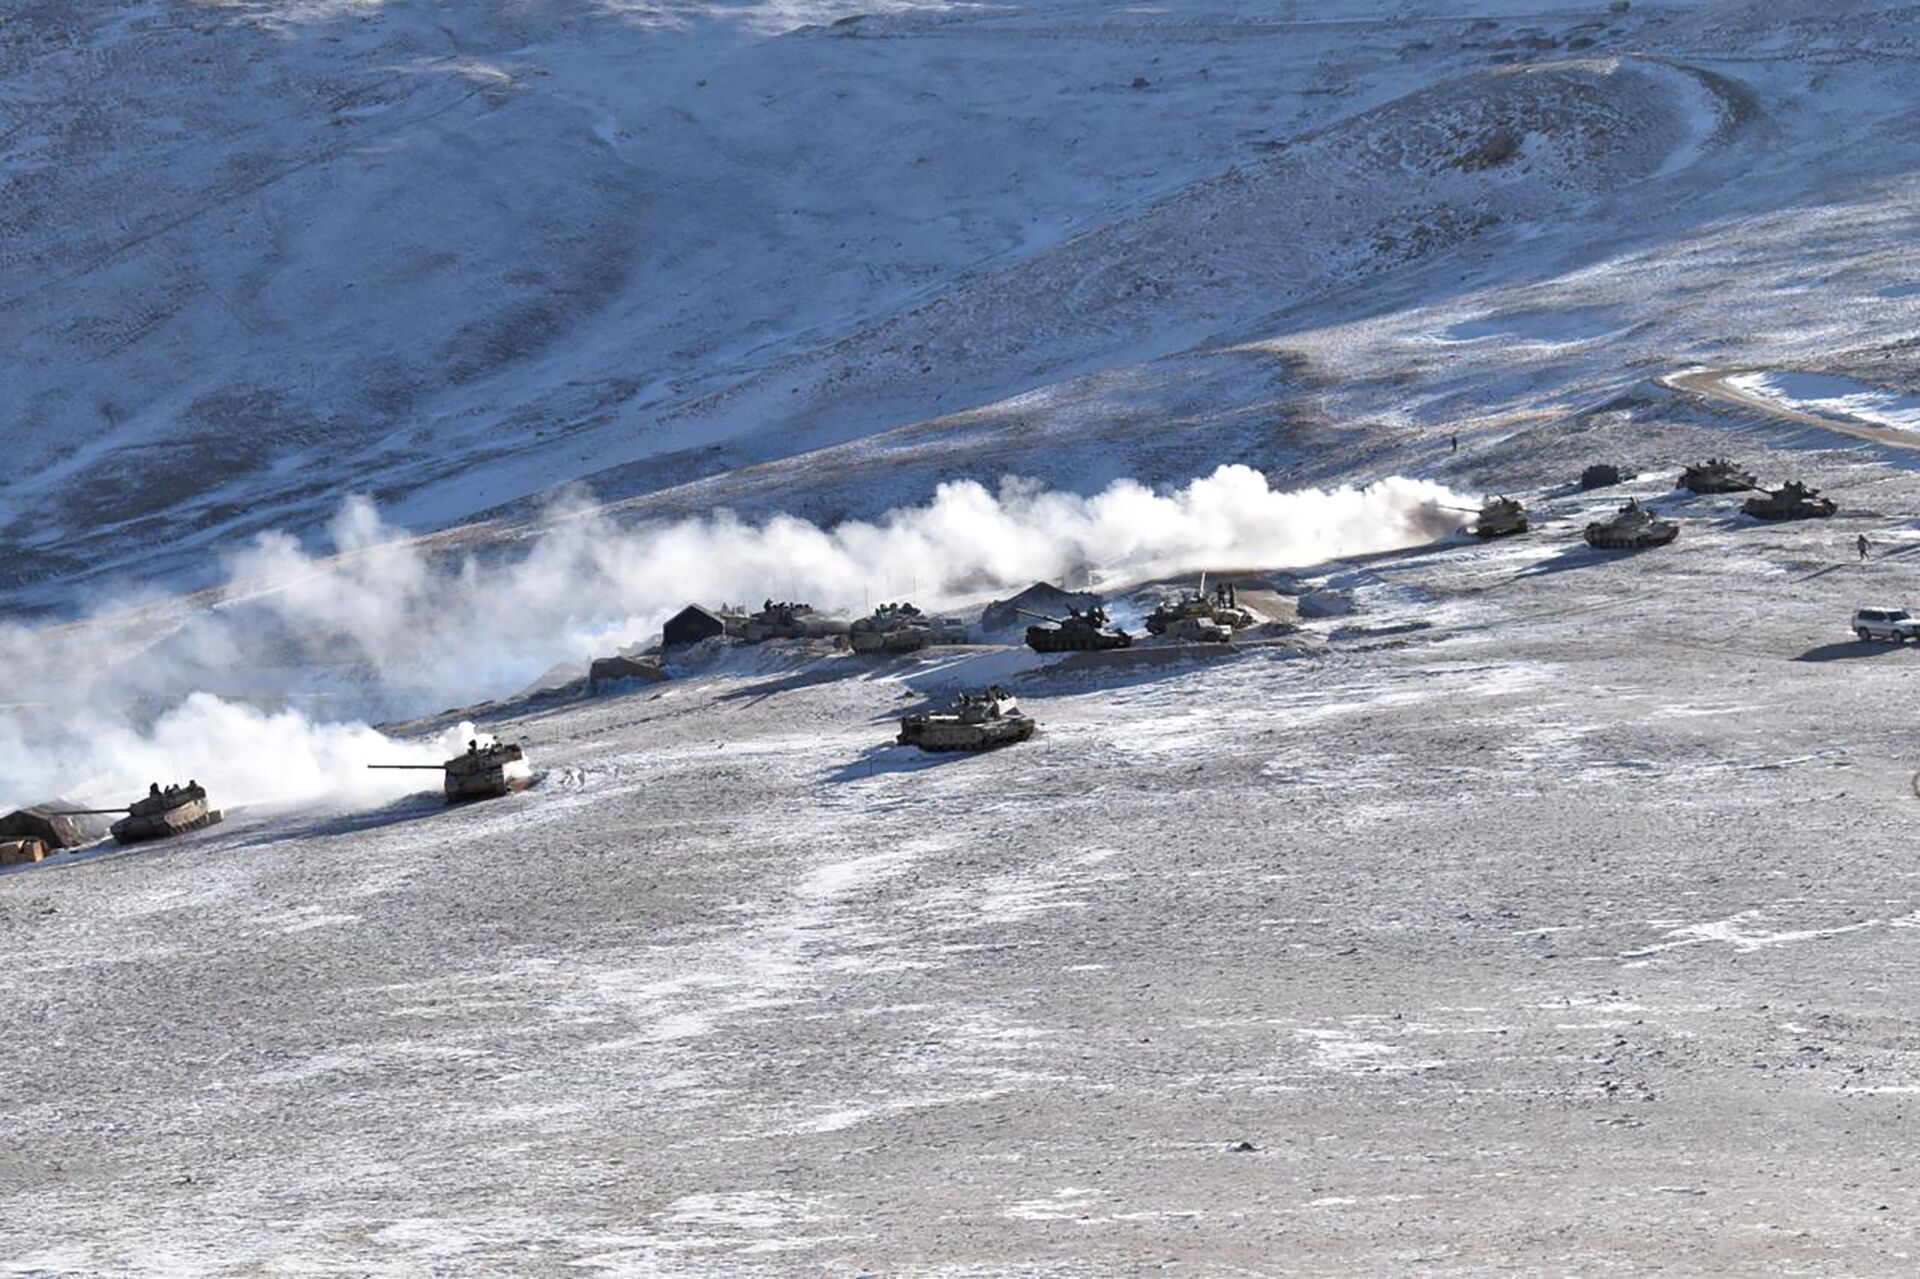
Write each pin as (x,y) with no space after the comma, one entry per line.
(1791,501)
(1077,632)
(1199,619)
(1603,475)
(1716,475)
(480,772)
(974,722)
(1633,528)
(781,620)
(159,813)
(891,628)
(1500,517)
(1197,630)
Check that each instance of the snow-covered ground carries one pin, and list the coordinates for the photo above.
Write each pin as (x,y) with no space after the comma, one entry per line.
(1546,914)
(1838,396)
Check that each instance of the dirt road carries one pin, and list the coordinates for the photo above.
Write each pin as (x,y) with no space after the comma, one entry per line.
(1714,384)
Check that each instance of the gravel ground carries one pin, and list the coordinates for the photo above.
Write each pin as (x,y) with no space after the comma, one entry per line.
(1549,915)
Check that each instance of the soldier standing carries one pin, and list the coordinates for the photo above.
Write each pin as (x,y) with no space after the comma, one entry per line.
(1861,545)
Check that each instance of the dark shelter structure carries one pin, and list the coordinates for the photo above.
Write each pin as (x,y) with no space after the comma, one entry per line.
(46,823)
(689,626)
(1041,597)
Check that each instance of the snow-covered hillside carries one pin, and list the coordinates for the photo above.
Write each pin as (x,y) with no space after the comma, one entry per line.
(261,256)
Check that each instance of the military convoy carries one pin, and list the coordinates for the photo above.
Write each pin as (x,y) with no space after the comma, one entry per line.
(1077,632)
(1716,475)
(1791,501)
(891,628)
(480,772)
(976,721)
(972,722)
(1633,528)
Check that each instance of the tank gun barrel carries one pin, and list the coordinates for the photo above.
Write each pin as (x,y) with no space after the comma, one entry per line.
(1027,612)
(84,812)
(435,767)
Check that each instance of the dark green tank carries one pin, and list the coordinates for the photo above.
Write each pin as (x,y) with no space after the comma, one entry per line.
(1633,528)
(1500,517)
(1791,501)
(1716,475)
(1077,632)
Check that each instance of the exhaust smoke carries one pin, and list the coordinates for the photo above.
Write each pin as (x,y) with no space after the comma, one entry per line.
(384,627)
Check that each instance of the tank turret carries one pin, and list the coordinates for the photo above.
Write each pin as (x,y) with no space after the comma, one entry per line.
(891,628)
(1633,528)
(972,722)
(1716,475)
(1791,501)
(1077,632)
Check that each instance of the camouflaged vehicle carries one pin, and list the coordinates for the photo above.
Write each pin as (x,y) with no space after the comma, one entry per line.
(1791,501)
(1633,528)
(1199,618)
(1077,632)
(1717,475)
(782,620)
(159,813)
(891,628)
(972,722)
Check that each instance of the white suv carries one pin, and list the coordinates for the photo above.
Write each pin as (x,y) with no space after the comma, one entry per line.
(1894,624)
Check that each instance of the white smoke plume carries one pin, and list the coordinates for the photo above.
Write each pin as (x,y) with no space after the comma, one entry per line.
(386,626)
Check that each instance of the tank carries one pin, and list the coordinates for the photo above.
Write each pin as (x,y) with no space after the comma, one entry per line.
(1716,475)
(782,620)
(161,813)
(1197,630)
(1077,632)
(1199,618)
(973,722)
(480,772)
(1500,517)
(1632,528)
(1791,501)
(1603,475)
(891,628)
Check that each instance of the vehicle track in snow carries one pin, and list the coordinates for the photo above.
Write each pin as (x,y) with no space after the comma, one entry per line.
(1716,384)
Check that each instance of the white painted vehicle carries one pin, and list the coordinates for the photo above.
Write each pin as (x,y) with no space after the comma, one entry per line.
(1894,624)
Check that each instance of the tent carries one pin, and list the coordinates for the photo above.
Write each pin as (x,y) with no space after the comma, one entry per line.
(1041,597)
(691,625)
(44,822)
